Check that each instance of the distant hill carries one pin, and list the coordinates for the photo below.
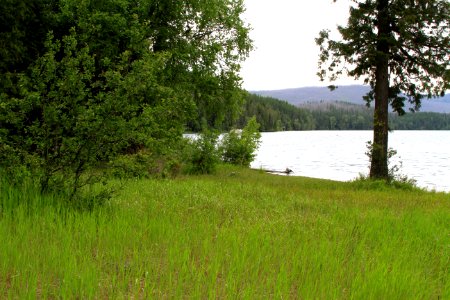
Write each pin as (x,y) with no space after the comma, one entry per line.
(350,94)
(278,115)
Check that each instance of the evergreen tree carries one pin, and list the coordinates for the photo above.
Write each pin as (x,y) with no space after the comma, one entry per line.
(401,48)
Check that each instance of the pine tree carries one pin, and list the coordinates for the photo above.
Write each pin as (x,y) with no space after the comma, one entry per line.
(399,47)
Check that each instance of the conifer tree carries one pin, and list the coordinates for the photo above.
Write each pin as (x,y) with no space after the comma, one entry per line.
(401,49)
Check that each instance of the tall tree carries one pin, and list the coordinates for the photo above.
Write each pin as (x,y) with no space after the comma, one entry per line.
(399,47)
(207,41)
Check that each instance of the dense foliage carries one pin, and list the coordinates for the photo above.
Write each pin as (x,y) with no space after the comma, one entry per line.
(85,81)
(204,151)
(239,147)
(400,48)
(203,154)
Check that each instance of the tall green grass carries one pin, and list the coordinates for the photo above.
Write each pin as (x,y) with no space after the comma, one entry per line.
(236,234)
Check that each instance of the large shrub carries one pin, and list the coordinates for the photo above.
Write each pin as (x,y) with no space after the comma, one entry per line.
(202,155)
(238,147)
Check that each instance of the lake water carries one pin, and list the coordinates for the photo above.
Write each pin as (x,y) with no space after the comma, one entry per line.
(340,155)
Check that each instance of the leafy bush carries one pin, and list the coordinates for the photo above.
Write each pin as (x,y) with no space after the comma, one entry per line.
(202,154)
(145,164)
(132,165)
(238,147)
(73,114)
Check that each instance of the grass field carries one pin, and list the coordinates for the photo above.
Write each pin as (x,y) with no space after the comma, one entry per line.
(239,234)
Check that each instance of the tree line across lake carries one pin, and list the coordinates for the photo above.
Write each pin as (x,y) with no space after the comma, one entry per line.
(276,115)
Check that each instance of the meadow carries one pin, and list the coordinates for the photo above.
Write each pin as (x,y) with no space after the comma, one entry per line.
(239,234)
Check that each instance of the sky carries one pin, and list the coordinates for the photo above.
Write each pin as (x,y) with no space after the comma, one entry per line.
(286,54)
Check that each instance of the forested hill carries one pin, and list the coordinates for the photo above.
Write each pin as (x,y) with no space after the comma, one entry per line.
(277,115)
(351,93)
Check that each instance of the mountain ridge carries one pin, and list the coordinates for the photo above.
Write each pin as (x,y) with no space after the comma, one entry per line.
(346,93)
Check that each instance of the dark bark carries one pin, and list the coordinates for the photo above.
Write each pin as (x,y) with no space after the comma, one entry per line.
(379,161)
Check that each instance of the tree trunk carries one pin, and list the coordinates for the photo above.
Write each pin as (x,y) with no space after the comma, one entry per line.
(379,159)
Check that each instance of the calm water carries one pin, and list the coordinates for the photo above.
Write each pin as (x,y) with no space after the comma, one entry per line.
(340,155)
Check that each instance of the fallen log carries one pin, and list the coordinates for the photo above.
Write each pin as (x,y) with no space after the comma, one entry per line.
(287,171)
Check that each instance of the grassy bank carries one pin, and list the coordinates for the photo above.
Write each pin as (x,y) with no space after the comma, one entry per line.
(236,234)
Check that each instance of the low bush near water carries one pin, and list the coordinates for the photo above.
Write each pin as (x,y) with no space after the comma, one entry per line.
(239,148)
(202,155)
(236,147)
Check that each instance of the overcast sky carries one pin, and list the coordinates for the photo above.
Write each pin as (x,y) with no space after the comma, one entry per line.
(285,54)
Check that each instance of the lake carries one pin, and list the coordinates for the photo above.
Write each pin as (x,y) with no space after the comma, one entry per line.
(340,155)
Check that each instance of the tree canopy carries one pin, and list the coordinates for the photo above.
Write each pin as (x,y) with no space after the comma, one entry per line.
(399,47)
(83,81)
